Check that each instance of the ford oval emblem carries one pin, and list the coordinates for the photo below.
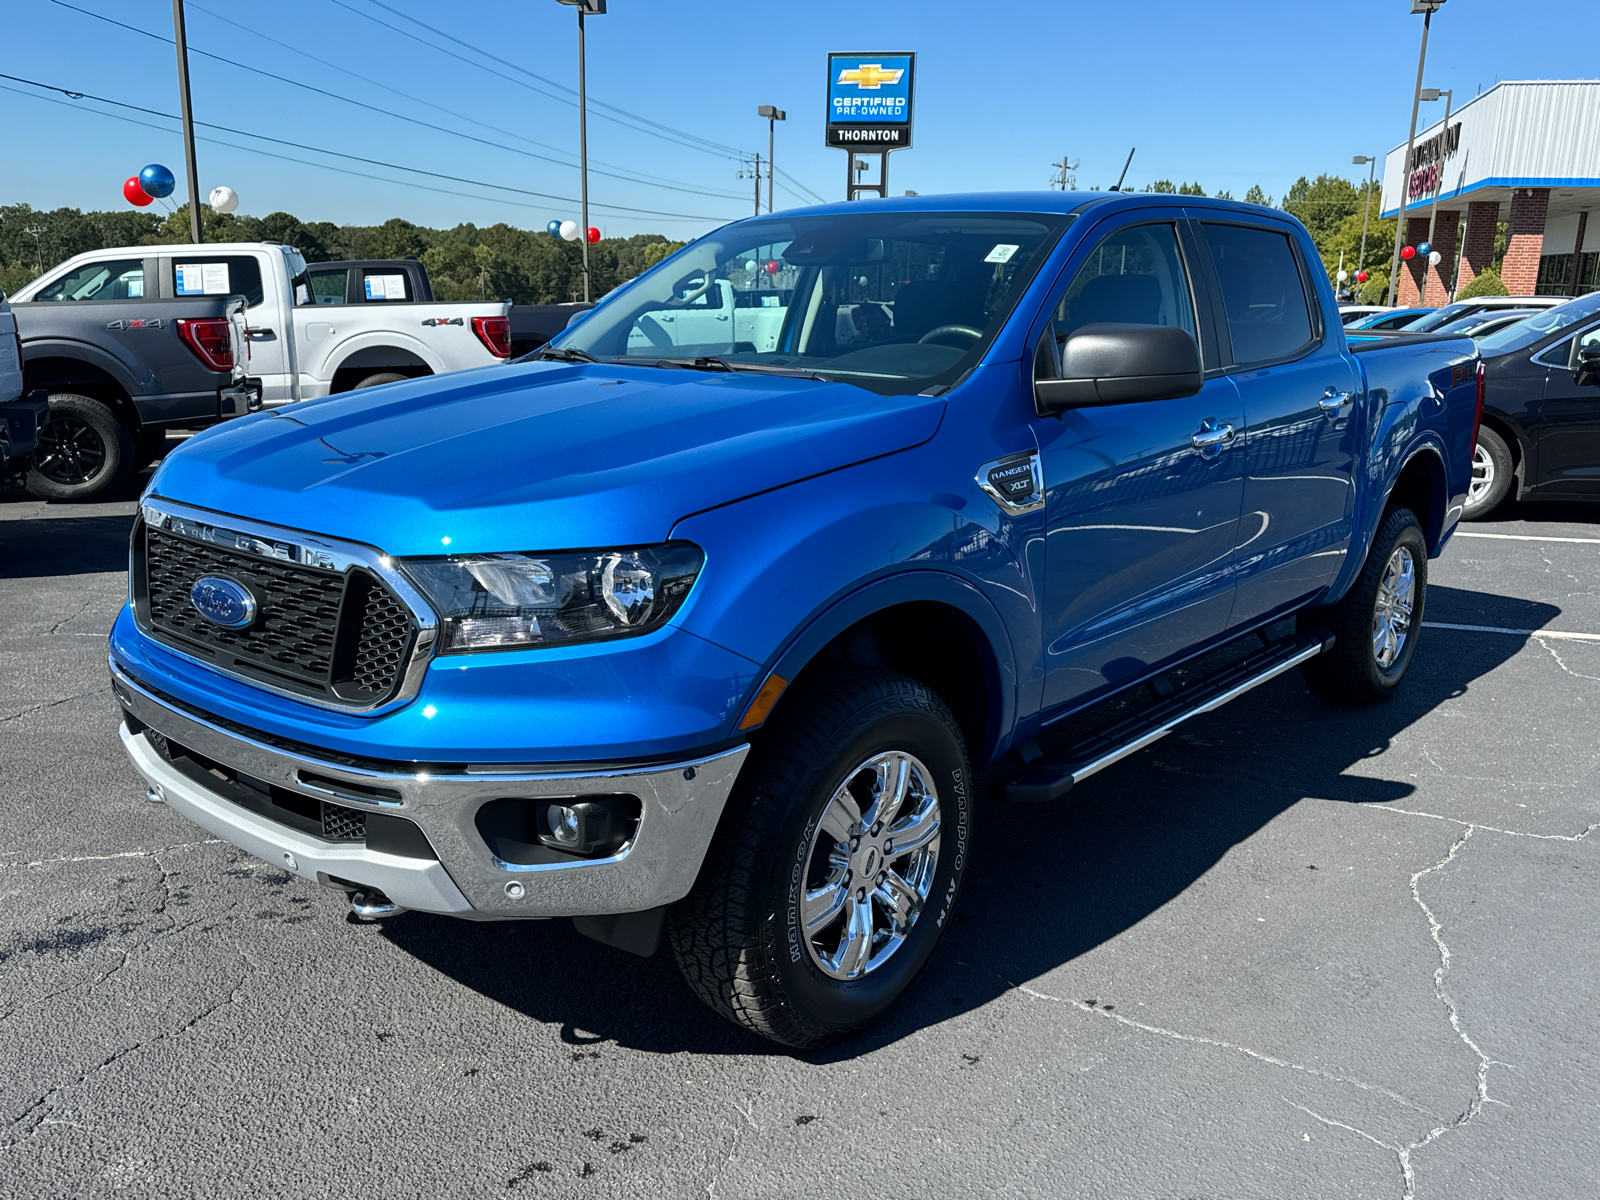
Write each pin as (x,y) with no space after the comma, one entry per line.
(223,602)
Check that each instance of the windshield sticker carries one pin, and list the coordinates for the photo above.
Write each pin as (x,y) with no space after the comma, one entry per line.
(1001,253)
(386,287)
(202,279)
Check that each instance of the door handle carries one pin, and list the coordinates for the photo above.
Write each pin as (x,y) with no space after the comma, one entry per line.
(261,331)
(1333,400)
(1212,435)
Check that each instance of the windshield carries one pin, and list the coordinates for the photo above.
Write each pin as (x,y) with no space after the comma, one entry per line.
(1539,326)
(1439,316)
(893,301)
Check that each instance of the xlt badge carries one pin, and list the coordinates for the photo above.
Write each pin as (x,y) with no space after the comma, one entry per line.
(1014,482)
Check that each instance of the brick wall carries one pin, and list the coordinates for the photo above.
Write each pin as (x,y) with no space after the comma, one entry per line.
(1411,272)
(1437,291)
(1478,252)
(1521,270)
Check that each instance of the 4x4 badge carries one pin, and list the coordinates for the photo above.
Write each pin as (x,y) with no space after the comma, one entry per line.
(138,323)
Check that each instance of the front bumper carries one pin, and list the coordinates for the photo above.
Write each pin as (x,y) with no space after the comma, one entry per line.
(680,803)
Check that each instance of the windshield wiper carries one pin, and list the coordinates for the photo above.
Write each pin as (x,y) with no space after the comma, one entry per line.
(710,362)
(563,354)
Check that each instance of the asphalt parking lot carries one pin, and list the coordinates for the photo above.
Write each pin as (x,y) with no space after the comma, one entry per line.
(1293,951)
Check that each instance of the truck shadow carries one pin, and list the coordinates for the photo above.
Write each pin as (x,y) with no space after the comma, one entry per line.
(48,546)
(1089,867)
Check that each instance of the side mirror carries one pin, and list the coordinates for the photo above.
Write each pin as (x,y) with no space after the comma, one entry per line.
(1586,370)
(1111,363)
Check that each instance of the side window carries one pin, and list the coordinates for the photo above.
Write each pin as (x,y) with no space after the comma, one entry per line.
(219,275)
(1262,291)
(1136,276)
(386,285)
(327,287)
(121,279)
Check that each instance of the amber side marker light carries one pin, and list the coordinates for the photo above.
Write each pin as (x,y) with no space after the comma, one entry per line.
(765,699)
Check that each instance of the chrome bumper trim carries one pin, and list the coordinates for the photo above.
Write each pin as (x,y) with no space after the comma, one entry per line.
(681,805)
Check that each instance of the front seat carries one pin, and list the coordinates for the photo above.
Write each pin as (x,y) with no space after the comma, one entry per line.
(1130,299)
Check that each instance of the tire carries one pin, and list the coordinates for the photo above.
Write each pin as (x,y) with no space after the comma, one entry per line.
(83,452)
(380,378)
(738,936)
(1492,475)
(1361,669)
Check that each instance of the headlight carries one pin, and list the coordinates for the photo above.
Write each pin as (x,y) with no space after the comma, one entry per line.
(487,601)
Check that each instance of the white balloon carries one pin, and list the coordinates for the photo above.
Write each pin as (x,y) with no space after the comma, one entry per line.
(1435,258)
(569,231)
(223,200)
(1343,275)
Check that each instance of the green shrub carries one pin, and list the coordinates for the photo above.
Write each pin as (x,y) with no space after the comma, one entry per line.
(1488,283)
(1372,291)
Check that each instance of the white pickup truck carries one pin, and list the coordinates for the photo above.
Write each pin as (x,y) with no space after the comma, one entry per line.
(299,345)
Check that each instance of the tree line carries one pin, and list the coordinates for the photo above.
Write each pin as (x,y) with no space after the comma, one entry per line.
(467,262)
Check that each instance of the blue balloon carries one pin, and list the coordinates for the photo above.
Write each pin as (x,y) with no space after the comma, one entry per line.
(553,229)
(157,181)
(1425,249)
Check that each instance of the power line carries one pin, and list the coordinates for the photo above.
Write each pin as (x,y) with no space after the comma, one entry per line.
(381,111)
(715,146)
(377,162)
(797,184)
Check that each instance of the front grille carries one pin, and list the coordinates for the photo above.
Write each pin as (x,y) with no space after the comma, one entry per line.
(342,637)
(341,824)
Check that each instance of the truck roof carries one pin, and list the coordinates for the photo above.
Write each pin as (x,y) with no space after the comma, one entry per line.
(1039,202)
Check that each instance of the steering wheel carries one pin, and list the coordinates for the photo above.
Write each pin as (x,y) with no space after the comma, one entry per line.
(938,331)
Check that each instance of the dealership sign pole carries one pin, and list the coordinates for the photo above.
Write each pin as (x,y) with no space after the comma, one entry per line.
(869,111)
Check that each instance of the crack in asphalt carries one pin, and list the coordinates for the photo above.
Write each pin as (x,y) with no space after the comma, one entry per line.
(33,708)
(83,858)
(1562,663)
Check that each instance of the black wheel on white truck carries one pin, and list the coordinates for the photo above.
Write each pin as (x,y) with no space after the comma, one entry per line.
(836,866)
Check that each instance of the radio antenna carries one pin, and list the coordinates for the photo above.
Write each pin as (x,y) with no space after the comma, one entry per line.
(1117,187)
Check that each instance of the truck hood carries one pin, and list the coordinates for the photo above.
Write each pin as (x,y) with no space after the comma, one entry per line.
(535,456)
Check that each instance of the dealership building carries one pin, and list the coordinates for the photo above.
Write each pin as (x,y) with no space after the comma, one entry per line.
(1526,153)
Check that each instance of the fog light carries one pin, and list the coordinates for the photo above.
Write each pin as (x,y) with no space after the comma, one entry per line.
(565,825)
(601,825)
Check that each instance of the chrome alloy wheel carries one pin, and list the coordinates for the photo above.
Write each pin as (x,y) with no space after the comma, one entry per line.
(1391,617)
(870,865)
(1482,474)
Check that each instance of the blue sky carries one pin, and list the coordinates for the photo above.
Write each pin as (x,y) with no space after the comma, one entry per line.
(1229,94)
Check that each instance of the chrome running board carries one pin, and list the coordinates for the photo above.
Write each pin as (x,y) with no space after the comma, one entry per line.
(1053,776)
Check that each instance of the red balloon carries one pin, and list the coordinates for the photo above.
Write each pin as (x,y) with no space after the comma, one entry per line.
(773,266)
(134,194)
(594,234)
(1361,276)
(1408,252)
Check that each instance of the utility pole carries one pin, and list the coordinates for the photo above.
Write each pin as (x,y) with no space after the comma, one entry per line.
(773,116)
(181,40)
(1370,161)
(595,8)
(757,176)
(1060,180)
(1427,8)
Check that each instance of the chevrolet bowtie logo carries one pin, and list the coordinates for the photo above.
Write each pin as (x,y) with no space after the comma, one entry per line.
(871,76)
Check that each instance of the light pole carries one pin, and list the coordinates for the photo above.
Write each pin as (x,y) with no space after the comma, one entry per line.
(180,38)
(1427,8)
(593,8)
(1370,161)
(773,116)
(1438,185)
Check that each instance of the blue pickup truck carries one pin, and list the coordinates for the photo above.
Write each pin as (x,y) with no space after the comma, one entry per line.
(717,613)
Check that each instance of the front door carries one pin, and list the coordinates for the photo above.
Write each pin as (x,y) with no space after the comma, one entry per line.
(1569,437)
(1142,500)
(1300,392)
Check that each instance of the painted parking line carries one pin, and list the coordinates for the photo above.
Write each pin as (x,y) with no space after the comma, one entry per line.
(1540,633)
(1527,537)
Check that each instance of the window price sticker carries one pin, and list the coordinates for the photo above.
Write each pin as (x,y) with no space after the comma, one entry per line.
(202,279)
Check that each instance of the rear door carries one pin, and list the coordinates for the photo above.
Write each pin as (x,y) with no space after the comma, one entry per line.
(1300,391)
(1141,500)
(1569,439)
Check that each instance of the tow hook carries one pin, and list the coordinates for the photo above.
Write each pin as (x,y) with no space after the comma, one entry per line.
(370,904)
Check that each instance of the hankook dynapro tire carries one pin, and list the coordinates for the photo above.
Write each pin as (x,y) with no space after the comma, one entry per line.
(836,865)
(1377,622)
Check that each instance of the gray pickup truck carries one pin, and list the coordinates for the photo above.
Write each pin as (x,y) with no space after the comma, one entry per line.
(122,365)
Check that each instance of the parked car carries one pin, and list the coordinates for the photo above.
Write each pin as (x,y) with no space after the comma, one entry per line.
(1349,313)
(1541,412)
(21,417)
(1441,317)
(717,636)
(119,368)
(1388,320)
(104,331)
(1490,320)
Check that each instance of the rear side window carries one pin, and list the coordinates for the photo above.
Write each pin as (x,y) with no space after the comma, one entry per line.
(219,275)
(1262,291)
(327,287)
(385,286)
(121,279)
